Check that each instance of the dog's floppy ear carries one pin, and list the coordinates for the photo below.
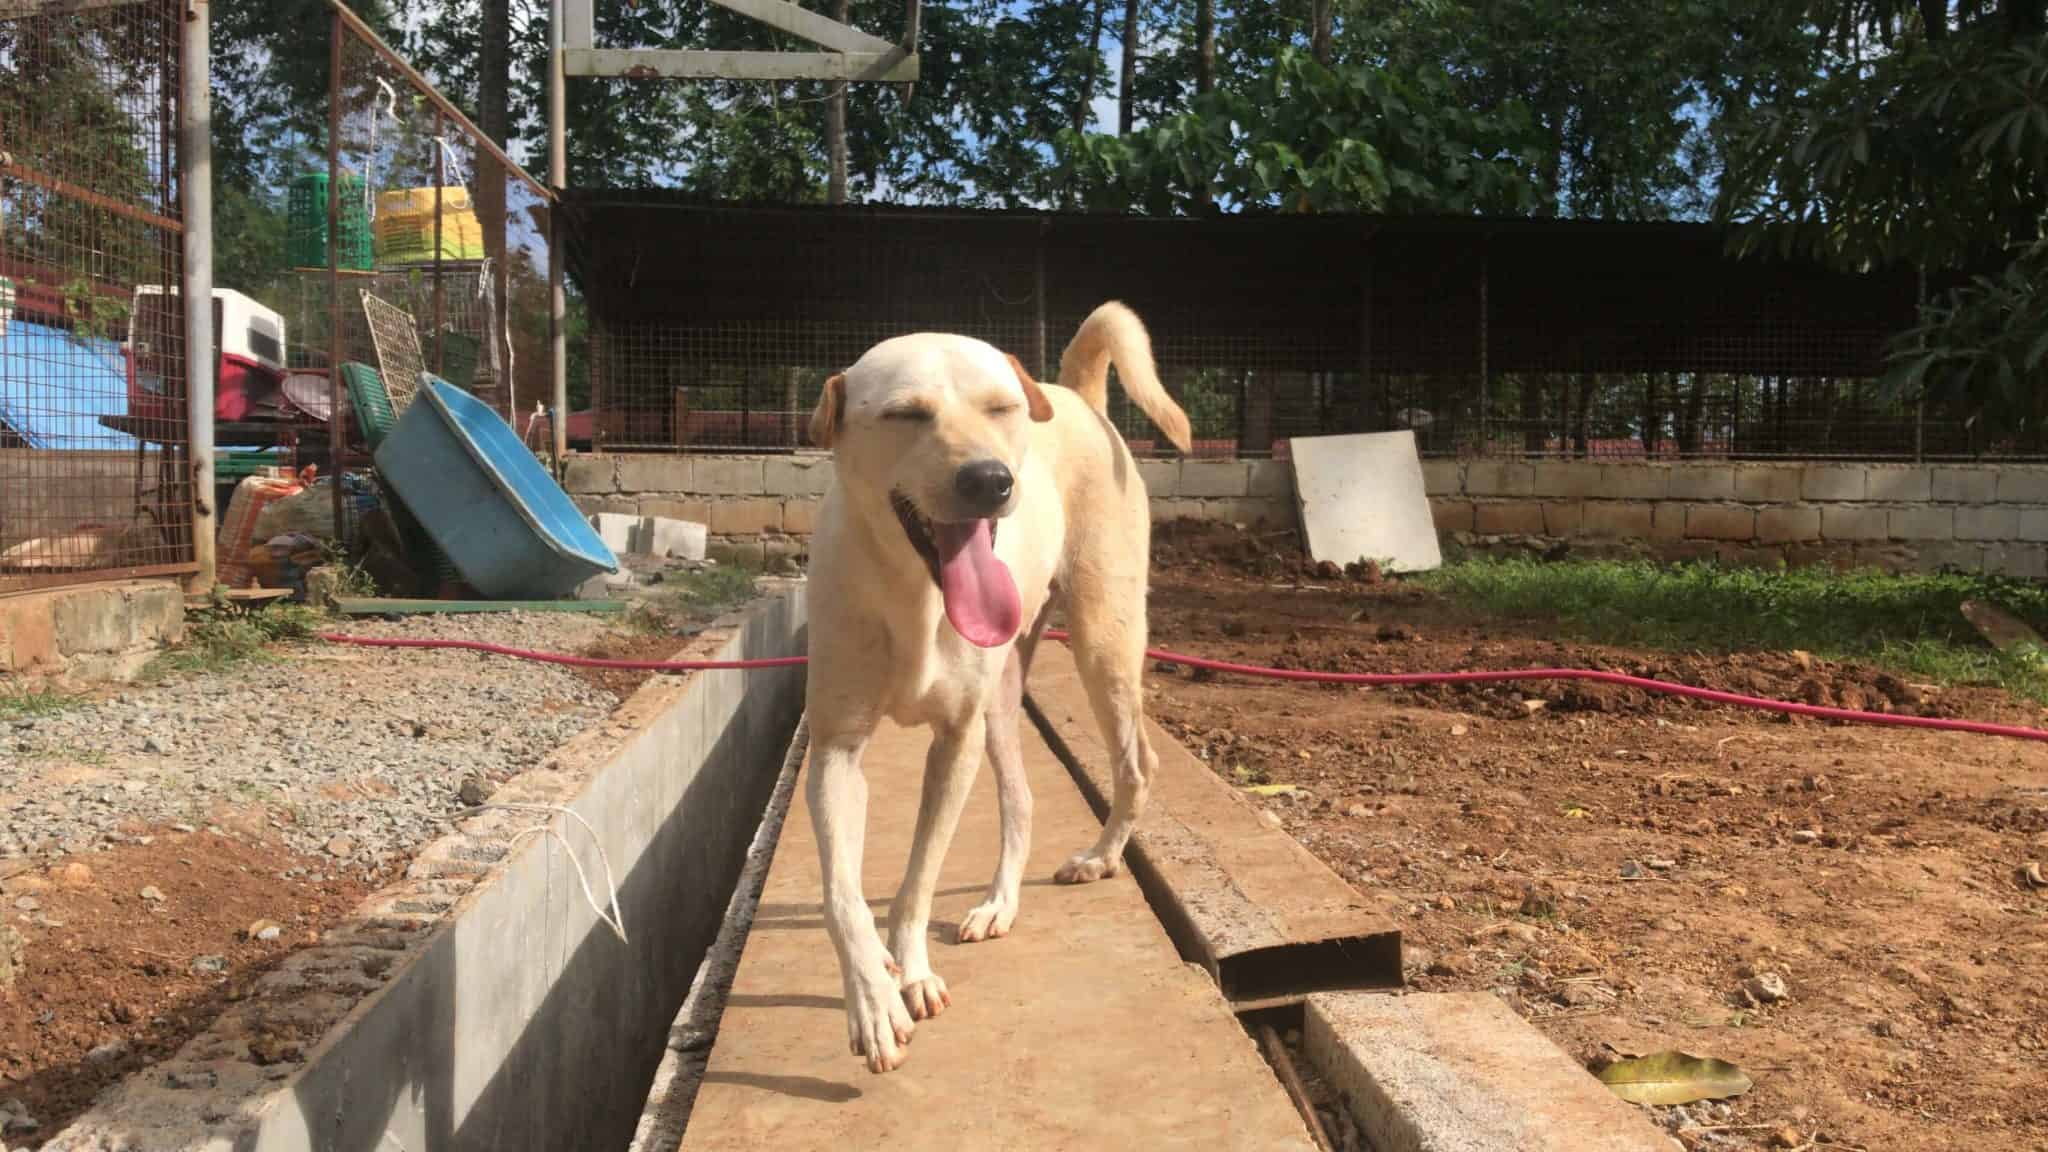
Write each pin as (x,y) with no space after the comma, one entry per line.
(1041,407)
(831,407)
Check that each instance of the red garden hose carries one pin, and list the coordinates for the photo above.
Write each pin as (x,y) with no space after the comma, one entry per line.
(1713,696)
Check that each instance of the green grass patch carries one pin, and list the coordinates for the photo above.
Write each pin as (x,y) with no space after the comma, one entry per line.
(26,703)
(1910,624)
(693,595)
(226,636)
(710,590)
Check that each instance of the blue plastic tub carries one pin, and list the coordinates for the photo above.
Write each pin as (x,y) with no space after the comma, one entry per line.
(509,528)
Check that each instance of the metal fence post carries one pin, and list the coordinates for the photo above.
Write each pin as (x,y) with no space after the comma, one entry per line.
(195,150)
(1485,381)
(337,421)
(558,179)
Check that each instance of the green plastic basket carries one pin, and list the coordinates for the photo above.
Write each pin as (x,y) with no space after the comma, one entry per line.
(371,400)
(306,239)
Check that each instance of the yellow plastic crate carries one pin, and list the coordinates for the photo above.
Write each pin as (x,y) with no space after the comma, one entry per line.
(408,237)
(454,198)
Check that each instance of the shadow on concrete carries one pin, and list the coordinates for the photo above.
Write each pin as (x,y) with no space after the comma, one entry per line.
(803,1087)
(788,1000)
(576,1073)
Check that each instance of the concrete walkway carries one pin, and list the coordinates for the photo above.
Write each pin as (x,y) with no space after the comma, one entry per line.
(1082,1029)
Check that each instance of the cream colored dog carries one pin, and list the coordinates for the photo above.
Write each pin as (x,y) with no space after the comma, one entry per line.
(966,495)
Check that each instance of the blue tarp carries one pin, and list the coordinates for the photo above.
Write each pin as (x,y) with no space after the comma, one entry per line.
(55,386)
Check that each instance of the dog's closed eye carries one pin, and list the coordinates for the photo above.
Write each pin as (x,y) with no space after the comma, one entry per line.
(917,413)
(1003,407)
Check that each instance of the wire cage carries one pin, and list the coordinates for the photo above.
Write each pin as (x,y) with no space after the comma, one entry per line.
(460,237)
(1483,337)
(93,438)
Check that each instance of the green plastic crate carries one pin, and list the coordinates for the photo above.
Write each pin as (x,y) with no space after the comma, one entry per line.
(371,400)
(306,240)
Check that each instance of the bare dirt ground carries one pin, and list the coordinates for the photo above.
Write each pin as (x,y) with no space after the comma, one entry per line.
(1634,873)
(133,950)
(146,829)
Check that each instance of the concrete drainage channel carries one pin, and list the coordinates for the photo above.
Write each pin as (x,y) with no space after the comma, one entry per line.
(482,1003)
(485,1003)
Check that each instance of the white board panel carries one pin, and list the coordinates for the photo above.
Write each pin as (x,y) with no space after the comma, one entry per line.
(1362,498)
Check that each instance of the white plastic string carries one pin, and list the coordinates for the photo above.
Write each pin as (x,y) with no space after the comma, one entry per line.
(370,169)
(451,168)
(612,919)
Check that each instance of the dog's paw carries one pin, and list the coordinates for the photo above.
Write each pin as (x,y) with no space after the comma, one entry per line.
(878,1026)
(925,996)
(988,920)
(1085,868)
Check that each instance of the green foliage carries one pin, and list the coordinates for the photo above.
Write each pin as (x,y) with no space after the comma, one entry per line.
(1934,154)
(710,591)
(1310,138)
(226,636)
(24,703)
(1910,623)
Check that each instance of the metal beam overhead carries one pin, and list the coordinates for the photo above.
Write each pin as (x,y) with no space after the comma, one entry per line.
(893,65)
(818,29)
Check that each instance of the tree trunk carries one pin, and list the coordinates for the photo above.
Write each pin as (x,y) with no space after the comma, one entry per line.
(1090,65)
(1934,20)
(1653,416)
(1533,432)
(1128,79)
(1205,72)
(1692,424)
(1321,21)
(1583,387)
(835,126)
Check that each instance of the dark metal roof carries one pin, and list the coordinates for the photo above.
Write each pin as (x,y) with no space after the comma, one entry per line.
(1321,292)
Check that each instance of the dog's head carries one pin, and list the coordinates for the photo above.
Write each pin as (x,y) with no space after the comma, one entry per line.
(932,431)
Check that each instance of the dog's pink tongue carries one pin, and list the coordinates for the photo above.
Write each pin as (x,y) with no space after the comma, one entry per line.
(981,597)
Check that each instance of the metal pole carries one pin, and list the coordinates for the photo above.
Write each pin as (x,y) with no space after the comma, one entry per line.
(1038,297)
(195,151)
(440,285)
(337,426)
(558,179)
(1920,395)
(1485,381)
(1364,418)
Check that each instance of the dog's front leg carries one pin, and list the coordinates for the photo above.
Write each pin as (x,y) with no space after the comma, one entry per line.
(998,908)
(948,776)
(877,1025)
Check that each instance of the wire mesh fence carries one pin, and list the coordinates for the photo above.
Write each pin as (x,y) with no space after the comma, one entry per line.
(1485,338)
(93,476)
(414,219)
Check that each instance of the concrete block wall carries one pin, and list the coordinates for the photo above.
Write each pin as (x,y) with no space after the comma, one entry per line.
(1991,518)
(90,631)
(766,505)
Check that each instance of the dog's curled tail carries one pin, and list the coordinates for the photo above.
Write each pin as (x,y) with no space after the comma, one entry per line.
(1113,333)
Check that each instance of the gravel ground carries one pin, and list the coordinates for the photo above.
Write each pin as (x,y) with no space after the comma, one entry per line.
(359,754)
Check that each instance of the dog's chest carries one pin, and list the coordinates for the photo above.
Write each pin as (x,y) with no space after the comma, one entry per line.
(939,676)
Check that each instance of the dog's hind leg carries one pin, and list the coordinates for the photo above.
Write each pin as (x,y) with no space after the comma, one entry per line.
(1109,651)
(948,776)
(877,1025)
(998,909)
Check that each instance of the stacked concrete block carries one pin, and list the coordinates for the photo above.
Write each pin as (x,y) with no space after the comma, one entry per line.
(1896,515)
(1902,516)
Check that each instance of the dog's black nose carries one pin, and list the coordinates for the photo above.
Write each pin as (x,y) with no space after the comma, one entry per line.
(984,486)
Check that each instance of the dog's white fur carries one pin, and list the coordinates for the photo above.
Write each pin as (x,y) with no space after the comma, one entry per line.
(903,420)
